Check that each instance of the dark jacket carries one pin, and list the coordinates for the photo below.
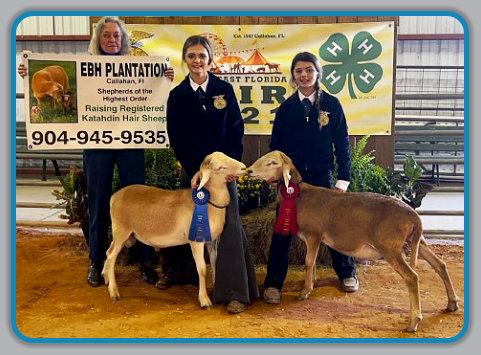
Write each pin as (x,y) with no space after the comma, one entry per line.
(309,147)
(195,132)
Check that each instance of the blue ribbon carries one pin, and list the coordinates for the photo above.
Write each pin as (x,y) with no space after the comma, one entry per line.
(199,226)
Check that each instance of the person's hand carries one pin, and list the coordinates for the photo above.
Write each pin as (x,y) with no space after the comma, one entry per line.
(22,70)
(230,178)
(194,182)
(273,184)
(169,73)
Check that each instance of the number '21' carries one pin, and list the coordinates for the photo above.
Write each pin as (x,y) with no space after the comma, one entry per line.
(252,113)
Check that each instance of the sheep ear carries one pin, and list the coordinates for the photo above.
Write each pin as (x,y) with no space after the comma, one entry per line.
(286,172)
(205,173)
(286,168)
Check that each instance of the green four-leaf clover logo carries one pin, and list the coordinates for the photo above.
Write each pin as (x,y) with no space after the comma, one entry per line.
(351,64)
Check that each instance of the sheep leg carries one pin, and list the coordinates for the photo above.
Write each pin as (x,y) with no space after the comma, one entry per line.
(440,267)
(39,101)
(412,281)
(198,253)
(108,271)
(212,249)
(311,256)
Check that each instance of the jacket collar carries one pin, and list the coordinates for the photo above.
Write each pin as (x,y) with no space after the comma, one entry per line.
(213,82)
(195,86)
(294,99)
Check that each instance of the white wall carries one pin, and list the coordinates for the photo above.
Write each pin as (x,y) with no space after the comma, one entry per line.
(429,25)
(54,25)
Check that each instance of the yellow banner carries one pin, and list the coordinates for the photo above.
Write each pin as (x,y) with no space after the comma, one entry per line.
(357,60)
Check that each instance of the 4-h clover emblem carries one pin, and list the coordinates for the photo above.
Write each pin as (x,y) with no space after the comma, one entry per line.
(354,63)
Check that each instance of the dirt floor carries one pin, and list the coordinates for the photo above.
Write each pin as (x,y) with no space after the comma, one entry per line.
(53,300)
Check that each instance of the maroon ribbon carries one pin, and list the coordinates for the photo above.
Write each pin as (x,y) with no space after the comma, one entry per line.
(286,222)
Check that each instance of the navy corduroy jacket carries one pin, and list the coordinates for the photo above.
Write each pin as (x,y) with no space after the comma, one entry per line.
(311,148)
(197,128)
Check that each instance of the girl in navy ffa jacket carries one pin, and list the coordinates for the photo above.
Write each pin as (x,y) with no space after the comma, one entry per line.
(310,127)
(202,117)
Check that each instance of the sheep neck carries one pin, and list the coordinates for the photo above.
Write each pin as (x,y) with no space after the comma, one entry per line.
(219,194)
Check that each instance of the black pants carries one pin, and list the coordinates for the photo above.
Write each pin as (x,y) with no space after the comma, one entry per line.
(99,170)
(278,261)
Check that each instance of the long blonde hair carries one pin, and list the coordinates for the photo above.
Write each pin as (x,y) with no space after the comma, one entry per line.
(94,46)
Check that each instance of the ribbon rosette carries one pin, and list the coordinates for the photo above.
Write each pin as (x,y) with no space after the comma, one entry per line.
(286,222)
(199,226)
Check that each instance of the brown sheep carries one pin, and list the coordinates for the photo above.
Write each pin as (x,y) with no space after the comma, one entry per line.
(51,81)
(371,226)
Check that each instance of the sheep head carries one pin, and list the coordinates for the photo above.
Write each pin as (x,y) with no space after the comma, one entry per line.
(274,166)
(56,92)
(218,166)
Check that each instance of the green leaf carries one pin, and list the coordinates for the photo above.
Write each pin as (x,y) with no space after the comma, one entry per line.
(366,76)
(334,77)
(335,49)
(365,47)
(412,170)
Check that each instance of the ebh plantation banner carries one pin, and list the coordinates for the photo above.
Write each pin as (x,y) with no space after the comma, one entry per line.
(357,60)
(76,102)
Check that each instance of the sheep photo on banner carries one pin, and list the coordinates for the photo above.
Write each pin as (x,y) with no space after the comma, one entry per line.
(357,60)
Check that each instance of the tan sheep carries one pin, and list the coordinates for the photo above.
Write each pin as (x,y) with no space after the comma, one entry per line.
(363,225)
(51,81)
(161,218)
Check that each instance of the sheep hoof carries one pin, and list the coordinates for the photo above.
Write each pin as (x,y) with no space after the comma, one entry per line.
(114,299)
(452,306)
(303,295)
(207,307)
(411,328)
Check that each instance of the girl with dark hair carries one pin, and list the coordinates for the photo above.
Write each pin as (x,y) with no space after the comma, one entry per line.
(203,116)
(310,127)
